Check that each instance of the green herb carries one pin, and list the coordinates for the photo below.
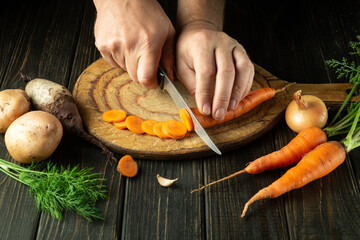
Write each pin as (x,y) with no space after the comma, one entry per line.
(58,189)
(347,69)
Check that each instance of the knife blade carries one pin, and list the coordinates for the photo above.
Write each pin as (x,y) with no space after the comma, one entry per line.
(166,84)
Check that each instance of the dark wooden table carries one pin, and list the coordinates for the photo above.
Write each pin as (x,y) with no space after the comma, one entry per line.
(54,40)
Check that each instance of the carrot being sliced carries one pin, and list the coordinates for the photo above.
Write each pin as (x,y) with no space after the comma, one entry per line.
(252,100)
(174,129)
(127,166)
(120,125)
(148,127)
(133,123)
(114,115)
(186,119)
(158,129)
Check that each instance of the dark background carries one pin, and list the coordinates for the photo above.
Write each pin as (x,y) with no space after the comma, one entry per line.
(292,40)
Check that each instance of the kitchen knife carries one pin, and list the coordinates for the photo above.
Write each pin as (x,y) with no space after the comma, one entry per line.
(166,84)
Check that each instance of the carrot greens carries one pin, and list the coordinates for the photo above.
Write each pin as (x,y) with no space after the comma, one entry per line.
(347,69)
(56,189)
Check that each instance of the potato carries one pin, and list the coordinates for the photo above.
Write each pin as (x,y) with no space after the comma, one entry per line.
(13,104)
(33,137)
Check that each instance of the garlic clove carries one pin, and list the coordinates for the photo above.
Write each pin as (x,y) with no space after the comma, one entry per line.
(164,181)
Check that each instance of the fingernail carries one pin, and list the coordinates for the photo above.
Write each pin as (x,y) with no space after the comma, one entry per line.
(220,114)
(232,104)
(206,109)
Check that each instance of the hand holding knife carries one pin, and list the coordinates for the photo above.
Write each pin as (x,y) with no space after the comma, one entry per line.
(166,84)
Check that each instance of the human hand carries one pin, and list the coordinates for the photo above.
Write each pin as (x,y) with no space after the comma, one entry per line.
(135,35)
(213,67)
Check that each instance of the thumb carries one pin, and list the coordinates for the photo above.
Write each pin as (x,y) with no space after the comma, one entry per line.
(147,69)
(168,57)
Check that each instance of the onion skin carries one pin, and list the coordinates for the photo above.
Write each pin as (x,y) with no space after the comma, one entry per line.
(305,112)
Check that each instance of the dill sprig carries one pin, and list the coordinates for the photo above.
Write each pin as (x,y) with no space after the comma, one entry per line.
(349,70)
(56,189)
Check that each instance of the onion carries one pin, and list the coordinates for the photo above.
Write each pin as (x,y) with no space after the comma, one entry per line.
(305,112)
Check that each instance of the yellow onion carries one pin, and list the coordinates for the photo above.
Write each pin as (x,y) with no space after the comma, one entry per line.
(305,112)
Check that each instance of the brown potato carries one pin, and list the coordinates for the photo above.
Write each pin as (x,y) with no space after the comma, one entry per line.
(33,137)
(13,104)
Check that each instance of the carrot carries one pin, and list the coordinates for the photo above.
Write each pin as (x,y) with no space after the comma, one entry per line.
(127,166)
(148,127)
(186,119)
(252,100)
(120,125)
(133,123)
(290,154)
(114,115)
(159,130)
(316,164)
(174,129)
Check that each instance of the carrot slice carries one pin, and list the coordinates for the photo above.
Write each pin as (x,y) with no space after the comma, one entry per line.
(127,166)
(120,125)
(186,119)
(133,123)
(148,127)
(159,130)
(174,129)
(114,115)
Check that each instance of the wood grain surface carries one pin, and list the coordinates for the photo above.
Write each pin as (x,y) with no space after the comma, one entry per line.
(101,87)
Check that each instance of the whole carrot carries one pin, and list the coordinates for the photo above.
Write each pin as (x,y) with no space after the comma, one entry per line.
(316,164)
(292,153)
(252,100)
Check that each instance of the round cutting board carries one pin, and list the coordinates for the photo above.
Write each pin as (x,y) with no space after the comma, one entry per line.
(101,87)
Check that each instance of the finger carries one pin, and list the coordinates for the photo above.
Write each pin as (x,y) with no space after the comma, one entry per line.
(186,75)
(109,59)
(147,69)
(225,77)
(243,77)
(205,71)
(167,56)
(131,66)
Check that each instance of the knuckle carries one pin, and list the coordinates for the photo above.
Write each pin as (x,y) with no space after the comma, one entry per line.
(207,72)
(227,70)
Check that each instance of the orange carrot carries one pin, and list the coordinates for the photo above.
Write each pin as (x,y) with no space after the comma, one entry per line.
(148,127)
(127,166)
(133,123)
(174,129)
(114,115)
(120,125)
(186,119)
(292,153)
(159,130)
(316,164)
(252,100)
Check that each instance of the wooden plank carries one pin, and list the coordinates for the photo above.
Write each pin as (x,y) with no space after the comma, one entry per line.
(155,212)
(225,201)
(80,152)
(292,48)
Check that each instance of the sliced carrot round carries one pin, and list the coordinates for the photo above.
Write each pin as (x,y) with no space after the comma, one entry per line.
(127,166)
(114,115)
(158,130)
(133,123)
(186,119)
(174,129)
(120,125)
(148,127)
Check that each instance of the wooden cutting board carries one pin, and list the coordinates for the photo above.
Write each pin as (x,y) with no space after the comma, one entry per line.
(101,87)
